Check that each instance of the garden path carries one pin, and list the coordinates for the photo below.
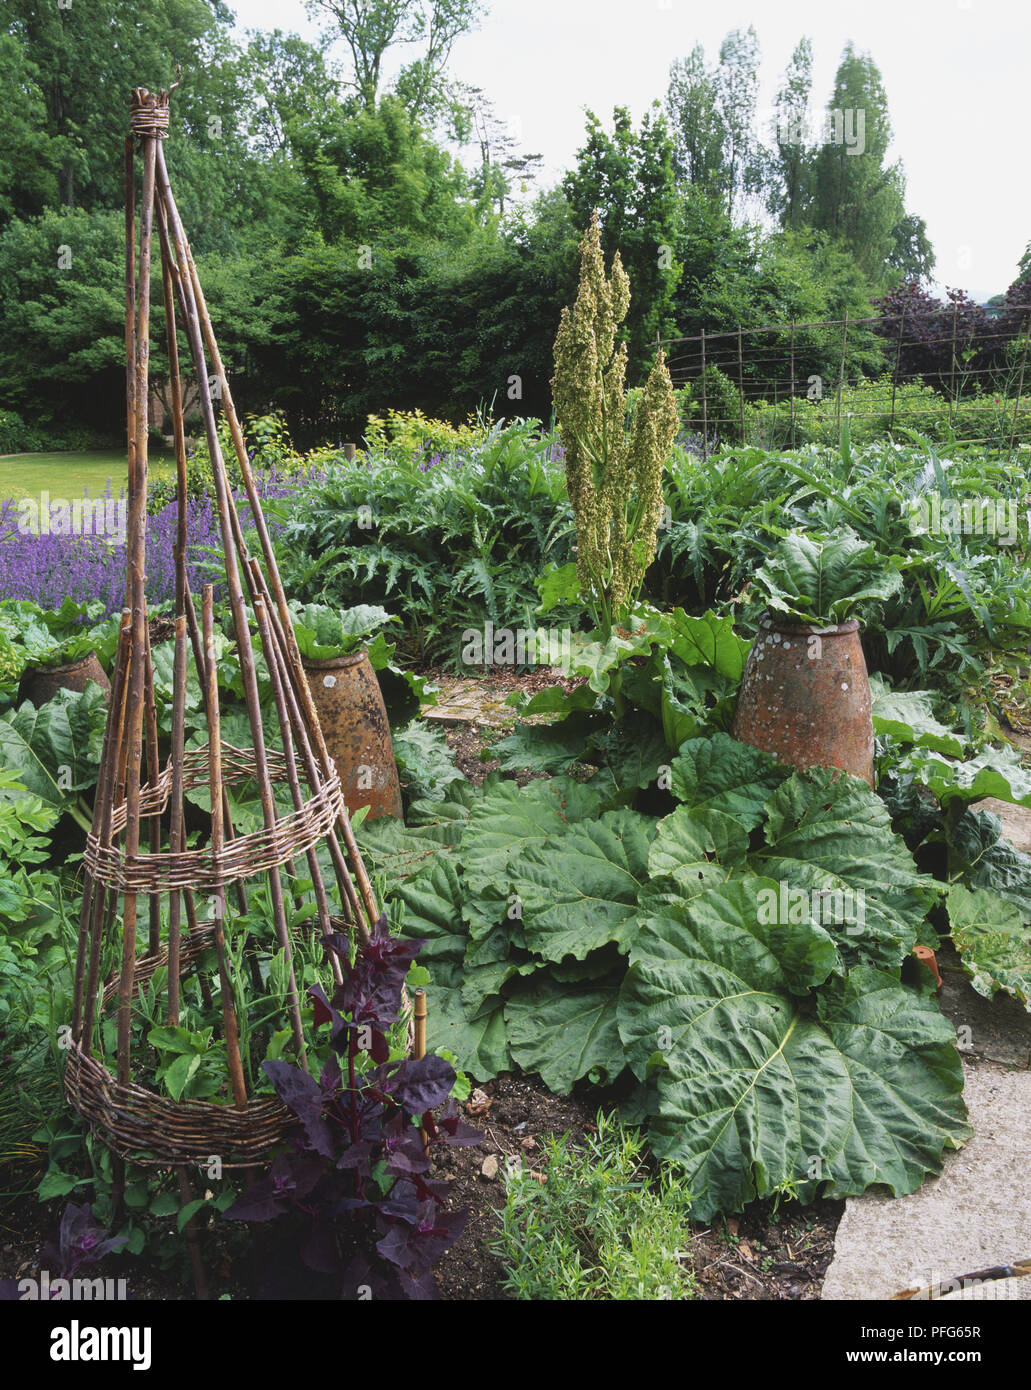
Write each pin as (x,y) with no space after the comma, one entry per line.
(978,1212)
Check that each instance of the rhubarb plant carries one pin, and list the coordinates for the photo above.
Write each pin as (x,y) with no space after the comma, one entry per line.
(742,965)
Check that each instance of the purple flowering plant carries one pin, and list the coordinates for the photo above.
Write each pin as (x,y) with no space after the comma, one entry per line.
(49,567)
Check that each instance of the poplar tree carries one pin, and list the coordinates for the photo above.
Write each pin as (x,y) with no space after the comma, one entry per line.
(791,182)
(737,91)
(630,174)
(857,194)
(698,131)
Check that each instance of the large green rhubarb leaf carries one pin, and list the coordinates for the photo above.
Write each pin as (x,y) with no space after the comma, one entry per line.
(709,641)
(479,1043)
(56,749)
(979,853)
(996,772)
(830,835)
(721,774)
(993,939)
(635,752)
(432,912)
(908,717)
(564,1033)
(323,632)
(509,820)
(697,848)
(389,848)
(468,960)
(579,891)
(761,1091)
(546,748)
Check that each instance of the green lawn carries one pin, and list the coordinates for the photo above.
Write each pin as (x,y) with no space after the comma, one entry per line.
(72,475)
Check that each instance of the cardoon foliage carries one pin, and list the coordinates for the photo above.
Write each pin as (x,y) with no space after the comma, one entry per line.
(613,477)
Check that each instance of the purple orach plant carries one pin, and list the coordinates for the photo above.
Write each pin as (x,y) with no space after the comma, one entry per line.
(354,1184)
(81,1241)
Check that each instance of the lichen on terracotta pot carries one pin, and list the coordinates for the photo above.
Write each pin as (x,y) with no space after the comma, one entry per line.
(41,683)
(354,721)
(805,697)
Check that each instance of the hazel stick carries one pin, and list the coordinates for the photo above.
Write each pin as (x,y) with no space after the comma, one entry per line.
(94,898)
(229,1024)
(291,650)
(261,614)
(137,557)
(348,893)
(153,773)
(226,513)
(176,826)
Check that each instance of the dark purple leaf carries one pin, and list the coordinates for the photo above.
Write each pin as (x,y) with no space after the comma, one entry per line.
(406,1155)
(420,1084)
(419,1288)
(80,1241)
(357,1155)
(291,1177)
(452,1127)
(321,1251)
(403,1203)
(303,1095)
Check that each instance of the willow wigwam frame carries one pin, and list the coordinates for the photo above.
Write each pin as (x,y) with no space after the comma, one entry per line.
(137,847)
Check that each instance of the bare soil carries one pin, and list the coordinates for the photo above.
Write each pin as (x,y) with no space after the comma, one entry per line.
(764,1254)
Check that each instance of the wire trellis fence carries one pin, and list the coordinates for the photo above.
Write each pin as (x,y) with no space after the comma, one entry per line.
(789,384)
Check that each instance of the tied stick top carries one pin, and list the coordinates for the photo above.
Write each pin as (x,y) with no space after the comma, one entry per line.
(149,112)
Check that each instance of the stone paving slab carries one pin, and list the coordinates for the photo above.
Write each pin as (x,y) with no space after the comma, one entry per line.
(1016,821)
(470,702)
(466,700)
(975,1215)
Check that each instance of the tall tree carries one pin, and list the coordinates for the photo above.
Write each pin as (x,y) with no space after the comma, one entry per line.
(737,92)
(371,28)
(712,113)
(697,125)
(629,177)
(91,55)
(285,84)
(791,173)
(62,357)
(502,167)
(28,159)
(857,195)
(284,78)
(374,173)
(911,253)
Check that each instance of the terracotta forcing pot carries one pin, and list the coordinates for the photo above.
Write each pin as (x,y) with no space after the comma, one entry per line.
(41,683)
(357,731)
(805,697)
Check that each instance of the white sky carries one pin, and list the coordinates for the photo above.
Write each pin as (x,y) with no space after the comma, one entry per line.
(956,73)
